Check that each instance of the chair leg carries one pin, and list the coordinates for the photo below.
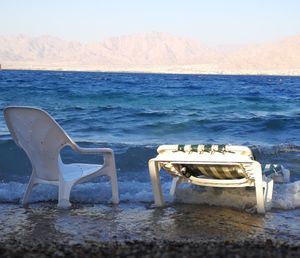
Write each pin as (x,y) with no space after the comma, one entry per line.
(155,180)
(110,170)
(114,185)
(109,161)
(64,190)
(175,182)
(29,187)
(259,188)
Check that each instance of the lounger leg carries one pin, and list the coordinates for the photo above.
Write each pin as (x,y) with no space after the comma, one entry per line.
(259,188)
(268,191)
(64,190)
(155,180)
(29,187)
(175,182)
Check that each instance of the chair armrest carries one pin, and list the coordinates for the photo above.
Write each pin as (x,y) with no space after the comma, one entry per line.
(108,154)
(92,150)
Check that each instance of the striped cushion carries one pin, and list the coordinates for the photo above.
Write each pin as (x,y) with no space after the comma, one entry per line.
(205,148)
(221,171)
(202,148)
(211,171)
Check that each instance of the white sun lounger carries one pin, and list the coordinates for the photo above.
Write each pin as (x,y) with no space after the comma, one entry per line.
(42,139)
(210,165)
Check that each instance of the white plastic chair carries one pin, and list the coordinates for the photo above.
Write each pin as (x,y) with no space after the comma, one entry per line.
(42,139)
(235,156)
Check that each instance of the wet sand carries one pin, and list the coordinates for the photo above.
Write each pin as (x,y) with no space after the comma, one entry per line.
(140,230)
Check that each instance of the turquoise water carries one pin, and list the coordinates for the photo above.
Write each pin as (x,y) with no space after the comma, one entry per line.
(134,113)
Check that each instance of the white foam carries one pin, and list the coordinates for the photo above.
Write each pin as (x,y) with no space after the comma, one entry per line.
(285,196)
(11,192)
(132,191)
(238,197)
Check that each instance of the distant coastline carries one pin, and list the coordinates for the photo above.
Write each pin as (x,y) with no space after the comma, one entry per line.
(153,52)
(157,71)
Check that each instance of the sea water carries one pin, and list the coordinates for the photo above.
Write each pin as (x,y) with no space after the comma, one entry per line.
(134,113)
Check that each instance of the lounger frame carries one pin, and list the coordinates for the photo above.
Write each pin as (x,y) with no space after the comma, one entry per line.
(263,185)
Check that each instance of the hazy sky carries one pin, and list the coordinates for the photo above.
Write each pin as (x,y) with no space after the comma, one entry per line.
(210,21)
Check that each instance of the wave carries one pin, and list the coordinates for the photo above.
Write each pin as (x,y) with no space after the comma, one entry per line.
(12,192)
(285,196)
(130,158)
(134,181)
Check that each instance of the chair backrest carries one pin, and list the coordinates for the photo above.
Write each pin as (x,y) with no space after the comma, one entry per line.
(40,136)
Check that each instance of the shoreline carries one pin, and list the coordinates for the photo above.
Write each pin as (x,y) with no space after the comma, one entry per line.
(141,230)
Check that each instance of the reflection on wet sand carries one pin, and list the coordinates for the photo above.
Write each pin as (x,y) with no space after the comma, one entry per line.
(139,230)
(130,222)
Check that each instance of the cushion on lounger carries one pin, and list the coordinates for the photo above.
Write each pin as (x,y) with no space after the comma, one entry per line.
(203,148)
(211,171)
(208,170)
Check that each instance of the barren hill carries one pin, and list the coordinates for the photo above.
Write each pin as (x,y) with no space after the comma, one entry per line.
(282,56)
(150,52)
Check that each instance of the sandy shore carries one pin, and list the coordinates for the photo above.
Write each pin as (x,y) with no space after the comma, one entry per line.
(140,230)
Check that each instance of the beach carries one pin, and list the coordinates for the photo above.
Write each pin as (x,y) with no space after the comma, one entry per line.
(128,230)
(133,114)
(156,129)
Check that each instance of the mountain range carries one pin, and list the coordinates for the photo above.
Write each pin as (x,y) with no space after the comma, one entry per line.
(149,52)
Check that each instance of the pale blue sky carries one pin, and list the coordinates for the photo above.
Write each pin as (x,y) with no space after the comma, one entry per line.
(212,21)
